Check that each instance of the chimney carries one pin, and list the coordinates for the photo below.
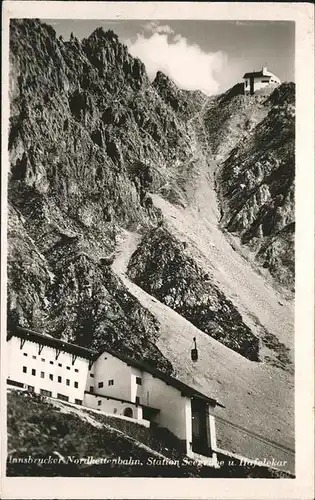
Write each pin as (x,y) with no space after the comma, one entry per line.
(264,69)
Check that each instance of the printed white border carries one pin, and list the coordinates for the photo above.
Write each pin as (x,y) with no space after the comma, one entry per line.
(132,488)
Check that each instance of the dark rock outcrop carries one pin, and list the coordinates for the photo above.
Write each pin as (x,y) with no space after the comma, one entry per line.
(162,269)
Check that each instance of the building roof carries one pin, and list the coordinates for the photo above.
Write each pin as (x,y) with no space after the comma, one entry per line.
(40,338)
(257,73)
(263,73)
(48,340)
(168,379)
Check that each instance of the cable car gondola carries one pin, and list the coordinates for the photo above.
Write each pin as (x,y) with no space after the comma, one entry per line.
(194,352)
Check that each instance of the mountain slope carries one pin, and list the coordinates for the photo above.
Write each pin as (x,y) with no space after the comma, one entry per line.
(98,152)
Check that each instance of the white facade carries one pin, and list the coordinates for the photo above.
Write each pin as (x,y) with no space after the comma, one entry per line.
(112,385)
(115,378)
(173,406)
(146,392)
(43,369)
(112,377)
(114,406)
(260,80)
(130,383)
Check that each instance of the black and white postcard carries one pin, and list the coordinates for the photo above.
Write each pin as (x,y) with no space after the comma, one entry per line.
(157,230)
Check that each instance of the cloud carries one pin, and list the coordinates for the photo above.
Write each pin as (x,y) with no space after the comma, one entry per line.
(155,27)
(186,64)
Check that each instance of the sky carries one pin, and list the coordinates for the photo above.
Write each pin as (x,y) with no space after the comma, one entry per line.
(211,56)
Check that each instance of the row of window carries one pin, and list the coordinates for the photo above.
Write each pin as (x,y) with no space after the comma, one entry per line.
(269,81)
(110,382)
(51,377)
(262,81)
(48,394)
(51,362)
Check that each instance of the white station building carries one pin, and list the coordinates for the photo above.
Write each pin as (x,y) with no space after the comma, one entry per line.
(113,383)
(259,81)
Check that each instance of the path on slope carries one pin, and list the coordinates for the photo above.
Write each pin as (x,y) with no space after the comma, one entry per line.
(257,396)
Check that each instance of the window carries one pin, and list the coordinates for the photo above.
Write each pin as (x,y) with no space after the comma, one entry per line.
(51,362)
(59,364)
(25,354)
(138,381)
(33,371)
(51,377)
(59,379)
(111,382)
(76,385)
(62,397)
(42,359)
(92,375)
(265,81)
(99,402)
(31,388)
(115,410)
(43,392)
(67,382)
(78,401)
(91,388)
(34,357)
(24,369)
(105,357)
(76,370)
(42,375)
(68,367)
(101,384)
(137,400)
(15,383)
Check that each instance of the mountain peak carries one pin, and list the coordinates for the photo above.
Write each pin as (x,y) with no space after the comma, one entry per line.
(162,80)
(100,33)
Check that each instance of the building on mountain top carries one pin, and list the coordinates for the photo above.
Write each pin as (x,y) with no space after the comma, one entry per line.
(258,81)
(115,384)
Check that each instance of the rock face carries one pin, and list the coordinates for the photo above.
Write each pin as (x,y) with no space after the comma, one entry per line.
(84,120)
(185,103)
(256,172)
(91,139)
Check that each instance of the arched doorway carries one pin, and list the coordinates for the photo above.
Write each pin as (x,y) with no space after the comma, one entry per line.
(128,412)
